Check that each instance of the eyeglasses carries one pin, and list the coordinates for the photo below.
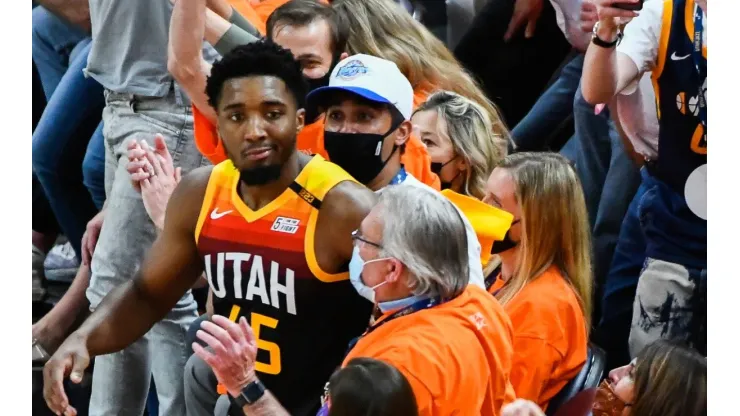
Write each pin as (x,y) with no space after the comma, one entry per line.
(356,236)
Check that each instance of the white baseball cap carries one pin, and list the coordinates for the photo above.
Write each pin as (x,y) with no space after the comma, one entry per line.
(370,77)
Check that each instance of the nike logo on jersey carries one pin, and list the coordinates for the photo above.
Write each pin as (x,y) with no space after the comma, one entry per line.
(678,58)
(216,215)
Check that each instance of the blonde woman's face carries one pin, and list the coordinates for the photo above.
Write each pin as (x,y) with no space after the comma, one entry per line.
(426,128)
(501,193)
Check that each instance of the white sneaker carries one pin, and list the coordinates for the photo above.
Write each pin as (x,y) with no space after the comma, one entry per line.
(61,263)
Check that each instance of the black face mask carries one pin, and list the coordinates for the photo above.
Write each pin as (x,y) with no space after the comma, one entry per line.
(437,170)
(316,83)
(506,244)
(358,153)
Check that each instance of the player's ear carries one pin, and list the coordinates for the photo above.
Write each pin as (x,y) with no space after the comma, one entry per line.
(300,120)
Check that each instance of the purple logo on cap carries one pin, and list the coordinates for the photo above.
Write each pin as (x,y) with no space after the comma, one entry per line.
(352,69)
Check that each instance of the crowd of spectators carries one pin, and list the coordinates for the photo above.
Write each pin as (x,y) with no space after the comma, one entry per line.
(377,207)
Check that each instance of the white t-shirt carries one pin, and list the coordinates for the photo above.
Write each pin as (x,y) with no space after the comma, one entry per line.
(636,102)
(568,16)
(476,269)
(639,118)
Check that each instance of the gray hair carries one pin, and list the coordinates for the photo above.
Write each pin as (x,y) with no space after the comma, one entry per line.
(425,232)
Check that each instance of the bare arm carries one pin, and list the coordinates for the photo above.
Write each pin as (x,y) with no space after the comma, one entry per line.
(216,27)
(184,53)
(170,269)
(76,12)
(346,205)
(54,327)
(221,8)
(605,71)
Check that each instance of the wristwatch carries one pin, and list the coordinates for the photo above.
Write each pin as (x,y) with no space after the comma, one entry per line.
(250,394)
(596,40)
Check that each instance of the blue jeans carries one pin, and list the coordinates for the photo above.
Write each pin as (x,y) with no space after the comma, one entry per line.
(60,142)
(609,179)
(612,332)
(659,226)
(93,167)
(54,45)
(551,109)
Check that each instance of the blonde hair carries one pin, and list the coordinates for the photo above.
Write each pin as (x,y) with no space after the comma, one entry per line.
(554,223)
(384,29)
(469,130)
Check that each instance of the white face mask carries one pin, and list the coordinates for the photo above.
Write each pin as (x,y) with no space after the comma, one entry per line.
(355,275)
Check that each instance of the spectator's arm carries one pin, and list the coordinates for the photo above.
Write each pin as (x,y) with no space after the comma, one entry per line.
(184,53)
(76,12)
(221,8)
(605,71)
(608,71)
(172,266)
(225,36)
(54,327)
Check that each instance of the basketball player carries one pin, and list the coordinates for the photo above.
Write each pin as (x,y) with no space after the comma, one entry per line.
(273,229)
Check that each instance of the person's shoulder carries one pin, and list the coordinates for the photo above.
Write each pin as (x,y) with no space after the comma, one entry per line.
(185,203)
(348,199)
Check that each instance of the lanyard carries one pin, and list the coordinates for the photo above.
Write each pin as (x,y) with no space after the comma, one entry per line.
(491,279)
(700,63)
(414,307)
(400,177)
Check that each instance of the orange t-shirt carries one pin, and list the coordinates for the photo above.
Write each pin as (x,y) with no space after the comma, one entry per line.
(550,337)
(456,355)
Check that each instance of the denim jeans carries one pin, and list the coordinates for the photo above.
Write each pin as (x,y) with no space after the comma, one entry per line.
(93,167)
(55,44)
(551,109)
(60,142)
(121,380)
(612,331)
(609,178)
(662,242)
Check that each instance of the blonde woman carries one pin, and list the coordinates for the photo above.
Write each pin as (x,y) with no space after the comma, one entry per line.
(459,138)
(384,29)
(545,279)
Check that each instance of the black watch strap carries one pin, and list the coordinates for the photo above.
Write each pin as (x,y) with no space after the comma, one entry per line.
(250,394)
(596,40)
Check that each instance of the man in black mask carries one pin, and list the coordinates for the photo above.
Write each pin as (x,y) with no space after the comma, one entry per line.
(367,106)
(315,35)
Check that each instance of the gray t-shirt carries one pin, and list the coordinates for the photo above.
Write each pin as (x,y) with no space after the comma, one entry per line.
(476,269)
(129,47)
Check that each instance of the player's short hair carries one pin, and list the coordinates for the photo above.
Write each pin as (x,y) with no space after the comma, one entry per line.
(264,58)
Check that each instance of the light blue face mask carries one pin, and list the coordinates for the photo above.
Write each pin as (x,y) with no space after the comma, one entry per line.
(355,275)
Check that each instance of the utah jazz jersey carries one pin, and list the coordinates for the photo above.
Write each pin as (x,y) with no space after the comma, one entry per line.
(680,84)
(262,265)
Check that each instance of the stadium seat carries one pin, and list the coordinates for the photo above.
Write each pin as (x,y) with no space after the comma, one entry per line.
(589,377)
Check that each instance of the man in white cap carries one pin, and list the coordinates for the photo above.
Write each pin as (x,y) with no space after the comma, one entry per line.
(368,106)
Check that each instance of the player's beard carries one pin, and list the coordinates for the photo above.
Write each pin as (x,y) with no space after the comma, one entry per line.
(261,175)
